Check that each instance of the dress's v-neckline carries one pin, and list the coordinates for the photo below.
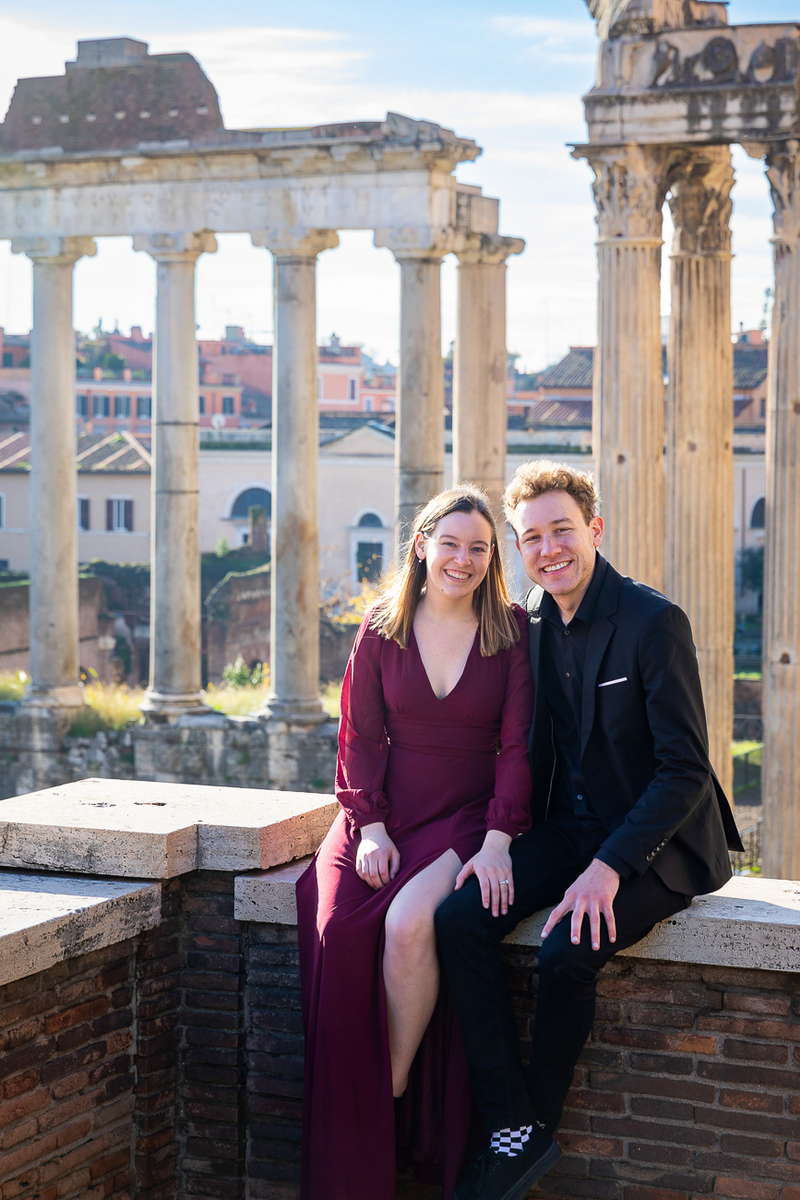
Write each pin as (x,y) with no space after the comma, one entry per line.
(441,699)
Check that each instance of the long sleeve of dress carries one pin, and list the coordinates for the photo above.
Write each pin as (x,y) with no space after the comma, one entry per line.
(363,744)
(510,806)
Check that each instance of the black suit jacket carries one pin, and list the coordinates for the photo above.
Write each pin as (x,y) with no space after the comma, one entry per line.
(644,743)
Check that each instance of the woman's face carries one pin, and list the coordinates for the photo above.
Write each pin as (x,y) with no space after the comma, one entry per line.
(457,553)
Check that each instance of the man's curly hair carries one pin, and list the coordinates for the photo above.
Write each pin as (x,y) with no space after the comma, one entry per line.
(533,479)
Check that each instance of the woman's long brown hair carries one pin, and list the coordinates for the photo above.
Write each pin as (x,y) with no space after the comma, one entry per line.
(393,615)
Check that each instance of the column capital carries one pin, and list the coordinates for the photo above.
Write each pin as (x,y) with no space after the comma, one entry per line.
(783,174)
(418,241)
(700,182)
(489,249)
(55,251)
(296,242)
(175,247)
(629,188)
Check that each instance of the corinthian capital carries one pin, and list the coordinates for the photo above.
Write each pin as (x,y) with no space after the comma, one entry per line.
(55,251)
(700,183)
(783,173)
(630,184)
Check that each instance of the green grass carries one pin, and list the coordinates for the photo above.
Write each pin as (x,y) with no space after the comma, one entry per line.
(12,685)
(745,747)
(747,675)
(236,701)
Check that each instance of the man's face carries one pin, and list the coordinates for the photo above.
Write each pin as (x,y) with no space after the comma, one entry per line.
(558,548)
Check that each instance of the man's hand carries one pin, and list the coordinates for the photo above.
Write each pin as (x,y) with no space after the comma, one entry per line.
(592,894)
(377,857)
(491,866)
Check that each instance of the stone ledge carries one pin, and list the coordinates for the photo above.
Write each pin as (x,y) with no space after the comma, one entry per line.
(45,919)
(750,922)
(145,830)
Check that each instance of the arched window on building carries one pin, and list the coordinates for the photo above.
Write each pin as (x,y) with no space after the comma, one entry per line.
(369,554)
(757,515)
(253,532)
(252,497)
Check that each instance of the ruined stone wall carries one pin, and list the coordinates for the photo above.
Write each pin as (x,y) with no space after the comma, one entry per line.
(37,751)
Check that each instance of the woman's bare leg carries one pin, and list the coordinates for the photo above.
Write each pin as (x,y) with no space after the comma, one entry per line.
(410,965)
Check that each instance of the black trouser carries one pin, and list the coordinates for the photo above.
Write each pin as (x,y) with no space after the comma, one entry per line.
(546,861)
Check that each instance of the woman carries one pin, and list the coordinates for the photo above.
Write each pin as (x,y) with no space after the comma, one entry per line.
(433,779)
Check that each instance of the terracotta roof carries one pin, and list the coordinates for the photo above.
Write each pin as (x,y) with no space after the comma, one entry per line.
(575,368)
(96,452)
(576,414)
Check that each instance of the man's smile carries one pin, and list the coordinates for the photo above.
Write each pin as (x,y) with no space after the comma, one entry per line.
(559,566)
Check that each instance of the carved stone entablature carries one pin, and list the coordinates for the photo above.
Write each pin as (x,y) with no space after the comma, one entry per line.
(697,85)
(719,63)
(630,183)
(700,183)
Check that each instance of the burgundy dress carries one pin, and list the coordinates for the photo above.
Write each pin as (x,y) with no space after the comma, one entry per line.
(439,773)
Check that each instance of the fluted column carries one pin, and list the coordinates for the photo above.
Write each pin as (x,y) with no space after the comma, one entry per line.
(175,617)
(628,406)
(699,542)
(294,584)
(54,624)
(480,368)
(781,667)
(419,429)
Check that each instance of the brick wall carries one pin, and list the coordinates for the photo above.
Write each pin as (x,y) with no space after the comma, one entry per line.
(689,1088)
(170,1066)
(66,1080)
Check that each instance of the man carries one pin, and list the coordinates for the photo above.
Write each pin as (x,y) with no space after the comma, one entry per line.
(629,820)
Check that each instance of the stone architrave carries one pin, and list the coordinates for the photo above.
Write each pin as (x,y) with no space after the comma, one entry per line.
(781,658)
(628,407)
(481,367)
(54,628)
(419,444)
(294,619)
(174,687)
(699,532)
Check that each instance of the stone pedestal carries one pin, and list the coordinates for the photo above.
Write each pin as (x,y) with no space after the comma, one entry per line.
(54,628)
(175,670)
(781,694)
(628,410)
(699,527)
(480,368)
(294,618)
(419,444)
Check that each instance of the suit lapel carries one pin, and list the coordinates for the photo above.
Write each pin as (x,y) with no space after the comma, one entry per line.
(600,633)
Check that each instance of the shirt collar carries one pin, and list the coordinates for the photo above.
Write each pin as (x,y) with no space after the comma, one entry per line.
(585,612)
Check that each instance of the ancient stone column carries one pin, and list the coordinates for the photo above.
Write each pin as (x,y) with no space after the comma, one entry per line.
(54,625)
(175,670)
(294,586)
(628,406)
(419,430)
(699,528)
(480,368)
(781,668)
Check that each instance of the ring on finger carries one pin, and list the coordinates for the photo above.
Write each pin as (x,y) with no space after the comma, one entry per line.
(505,883)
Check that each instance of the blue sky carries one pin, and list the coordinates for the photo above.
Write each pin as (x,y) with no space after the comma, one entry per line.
(510,74)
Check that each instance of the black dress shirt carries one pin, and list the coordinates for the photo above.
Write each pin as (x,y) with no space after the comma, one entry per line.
(562,663)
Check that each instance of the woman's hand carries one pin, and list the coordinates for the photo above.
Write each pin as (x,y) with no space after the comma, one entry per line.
(377,857)
(491,866)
